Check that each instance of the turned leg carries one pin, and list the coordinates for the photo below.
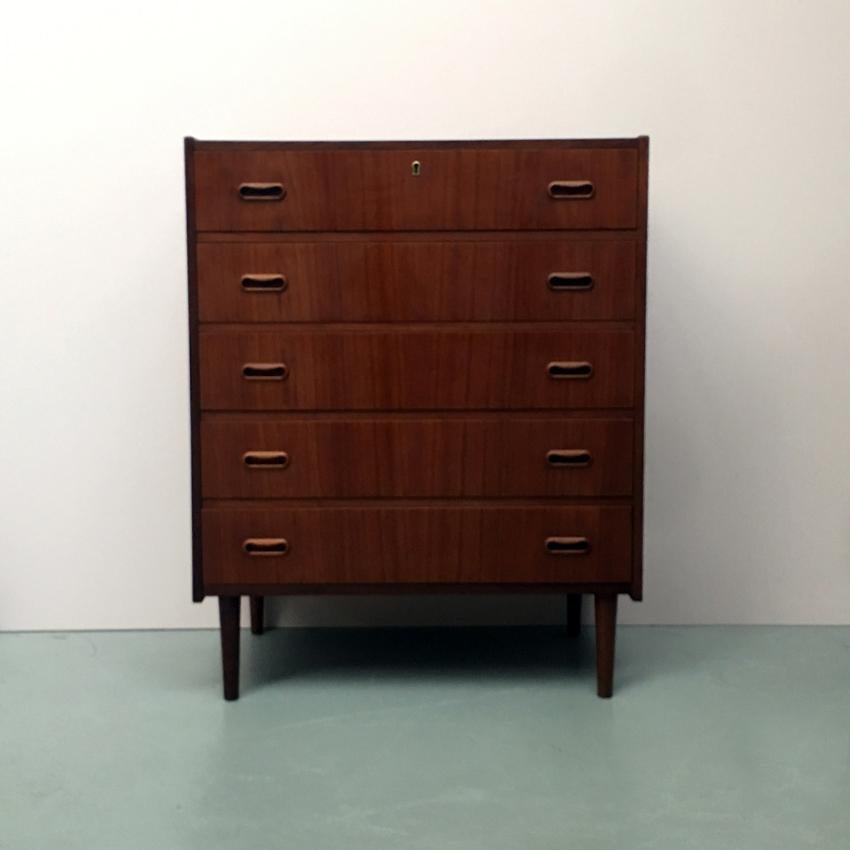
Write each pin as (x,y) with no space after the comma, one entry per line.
(606,626)
(228,612)
(574,614)
(257,608)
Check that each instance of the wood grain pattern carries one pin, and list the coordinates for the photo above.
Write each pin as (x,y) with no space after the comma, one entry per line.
(458,189)
(415,368)
(383,281)
(425,457)
(442,544)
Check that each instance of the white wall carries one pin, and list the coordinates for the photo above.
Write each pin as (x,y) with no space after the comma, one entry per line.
(748,464)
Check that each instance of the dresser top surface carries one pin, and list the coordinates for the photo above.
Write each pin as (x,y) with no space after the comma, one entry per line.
(417,144)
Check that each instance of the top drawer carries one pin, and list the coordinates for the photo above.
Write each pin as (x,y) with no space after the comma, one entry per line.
(463,188)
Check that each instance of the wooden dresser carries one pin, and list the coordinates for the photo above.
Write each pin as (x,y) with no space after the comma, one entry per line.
(417,367)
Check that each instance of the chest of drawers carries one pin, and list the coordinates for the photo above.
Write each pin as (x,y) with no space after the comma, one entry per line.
(417,367)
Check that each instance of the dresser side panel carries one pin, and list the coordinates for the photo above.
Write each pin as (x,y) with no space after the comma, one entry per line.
(194,372)
(636,592)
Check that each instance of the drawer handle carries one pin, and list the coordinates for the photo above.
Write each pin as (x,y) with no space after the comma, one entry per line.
(266,460)
(570,281)
(560,370)
(571,190)
(263,283)
(262,192)
(568,457)
(567,545)
(265,371)
(265,547)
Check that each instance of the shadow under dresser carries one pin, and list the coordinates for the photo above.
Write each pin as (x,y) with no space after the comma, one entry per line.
(417,367)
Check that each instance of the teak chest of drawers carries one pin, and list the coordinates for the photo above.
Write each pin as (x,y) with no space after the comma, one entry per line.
(417,367)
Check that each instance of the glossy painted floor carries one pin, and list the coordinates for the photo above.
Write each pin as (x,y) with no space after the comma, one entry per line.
(733,738)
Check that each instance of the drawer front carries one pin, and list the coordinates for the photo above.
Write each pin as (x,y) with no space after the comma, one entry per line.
(369,281)
(428,544)
(415,458)
(415,369)
(376,189)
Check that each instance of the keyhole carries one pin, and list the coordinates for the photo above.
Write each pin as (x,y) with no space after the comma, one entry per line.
(415,167)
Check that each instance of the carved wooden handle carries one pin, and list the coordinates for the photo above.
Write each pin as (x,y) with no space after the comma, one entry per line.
(265,460)
(262,192)
(571,190)
(570,281)
(567,545)
(265,371)
(263,283)
(560,370)
(265,547)
(568,457)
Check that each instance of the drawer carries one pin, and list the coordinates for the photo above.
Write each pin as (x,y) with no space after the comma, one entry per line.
(406,457)
(416,544)
(359,188)
(415,368)
(373,281)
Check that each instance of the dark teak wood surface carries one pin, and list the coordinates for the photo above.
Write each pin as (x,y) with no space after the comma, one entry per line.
(463,456)
(606,627)
(228,609)
(258,608)
(194,374)
(457,189)
(466,279)
(417,367)
(432,543)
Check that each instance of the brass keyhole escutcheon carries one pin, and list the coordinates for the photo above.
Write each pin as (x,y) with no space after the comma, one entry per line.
(416,168)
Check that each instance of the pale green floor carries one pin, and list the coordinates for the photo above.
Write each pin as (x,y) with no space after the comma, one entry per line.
(717,737)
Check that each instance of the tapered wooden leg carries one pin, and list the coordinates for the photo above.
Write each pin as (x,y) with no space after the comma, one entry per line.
(606,627)
(228,612)
(574,614)
(257,609)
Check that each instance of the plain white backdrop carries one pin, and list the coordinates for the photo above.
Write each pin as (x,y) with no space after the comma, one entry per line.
(748,377)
